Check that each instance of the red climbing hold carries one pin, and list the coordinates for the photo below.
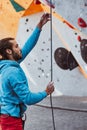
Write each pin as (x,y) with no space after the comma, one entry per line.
(79,38)
(82,23)
(47,2)
(37,2)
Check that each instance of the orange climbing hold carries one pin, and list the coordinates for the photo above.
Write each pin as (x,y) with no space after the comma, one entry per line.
(82,23)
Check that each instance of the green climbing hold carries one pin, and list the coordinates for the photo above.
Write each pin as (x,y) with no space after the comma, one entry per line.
(16,6)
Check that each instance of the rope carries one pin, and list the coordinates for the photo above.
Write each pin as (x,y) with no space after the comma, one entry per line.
(62,108)
(51,102)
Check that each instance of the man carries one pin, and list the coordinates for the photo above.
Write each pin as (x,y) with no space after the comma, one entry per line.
(14,89)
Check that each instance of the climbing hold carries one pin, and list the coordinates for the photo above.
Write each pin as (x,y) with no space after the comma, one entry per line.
(16,6)
(50,3)
(46,2)
(37,2)
(79,38)
(60,56)
(85,4)
(64,59)
(68,24)
(72,63)
(82,23)
(83,48)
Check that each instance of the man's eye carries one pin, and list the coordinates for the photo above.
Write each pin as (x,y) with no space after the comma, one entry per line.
(16,46)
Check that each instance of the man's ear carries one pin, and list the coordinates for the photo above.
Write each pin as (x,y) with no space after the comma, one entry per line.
(0,57)
(9,51)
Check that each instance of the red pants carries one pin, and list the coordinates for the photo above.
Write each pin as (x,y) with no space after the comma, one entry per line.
(10,123)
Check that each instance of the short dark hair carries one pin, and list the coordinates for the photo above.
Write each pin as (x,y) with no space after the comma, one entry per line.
(5,44)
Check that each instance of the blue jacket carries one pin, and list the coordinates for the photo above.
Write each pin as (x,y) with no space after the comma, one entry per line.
(14,88)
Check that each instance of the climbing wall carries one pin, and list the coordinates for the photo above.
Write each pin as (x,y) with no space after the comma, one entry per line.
(10,13)
(72,10)
(37,65)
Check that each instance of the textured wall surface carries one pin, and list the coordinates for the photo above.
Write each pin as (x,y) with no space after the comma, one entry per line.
(72,10)
(37,64)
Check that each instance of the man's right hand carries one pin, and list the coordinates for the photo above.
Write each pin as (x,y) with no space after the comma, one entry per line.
(44,19)
(50,88)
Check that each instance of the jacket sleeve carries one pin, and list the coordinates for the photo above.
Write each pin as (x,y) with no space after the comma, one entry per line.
(20,86)
(30,43)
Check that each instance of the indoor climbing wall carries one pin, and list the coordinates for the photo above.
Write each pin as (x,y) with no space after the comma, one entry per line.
(20,19)
(37,64)
(72,11)
(10,13)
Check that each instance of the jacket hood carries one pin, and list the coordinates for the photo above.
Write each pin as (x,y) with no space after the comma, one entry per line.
(6,63)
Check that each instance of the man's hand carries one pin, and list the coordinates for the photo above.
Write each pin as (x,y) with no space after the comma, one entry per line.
(50,88)
(44,19)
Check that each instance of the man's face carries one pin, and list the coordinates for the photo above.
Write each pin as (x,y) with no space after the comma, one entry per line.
(16,51)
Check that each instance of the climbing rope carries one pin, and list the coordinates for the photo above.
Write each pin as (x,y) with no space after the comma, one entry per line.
(51,102)
(51,52)
(62,108)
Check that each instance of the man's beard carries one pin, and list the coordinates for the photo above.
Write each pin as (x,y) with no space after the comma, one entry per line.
(16,56)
